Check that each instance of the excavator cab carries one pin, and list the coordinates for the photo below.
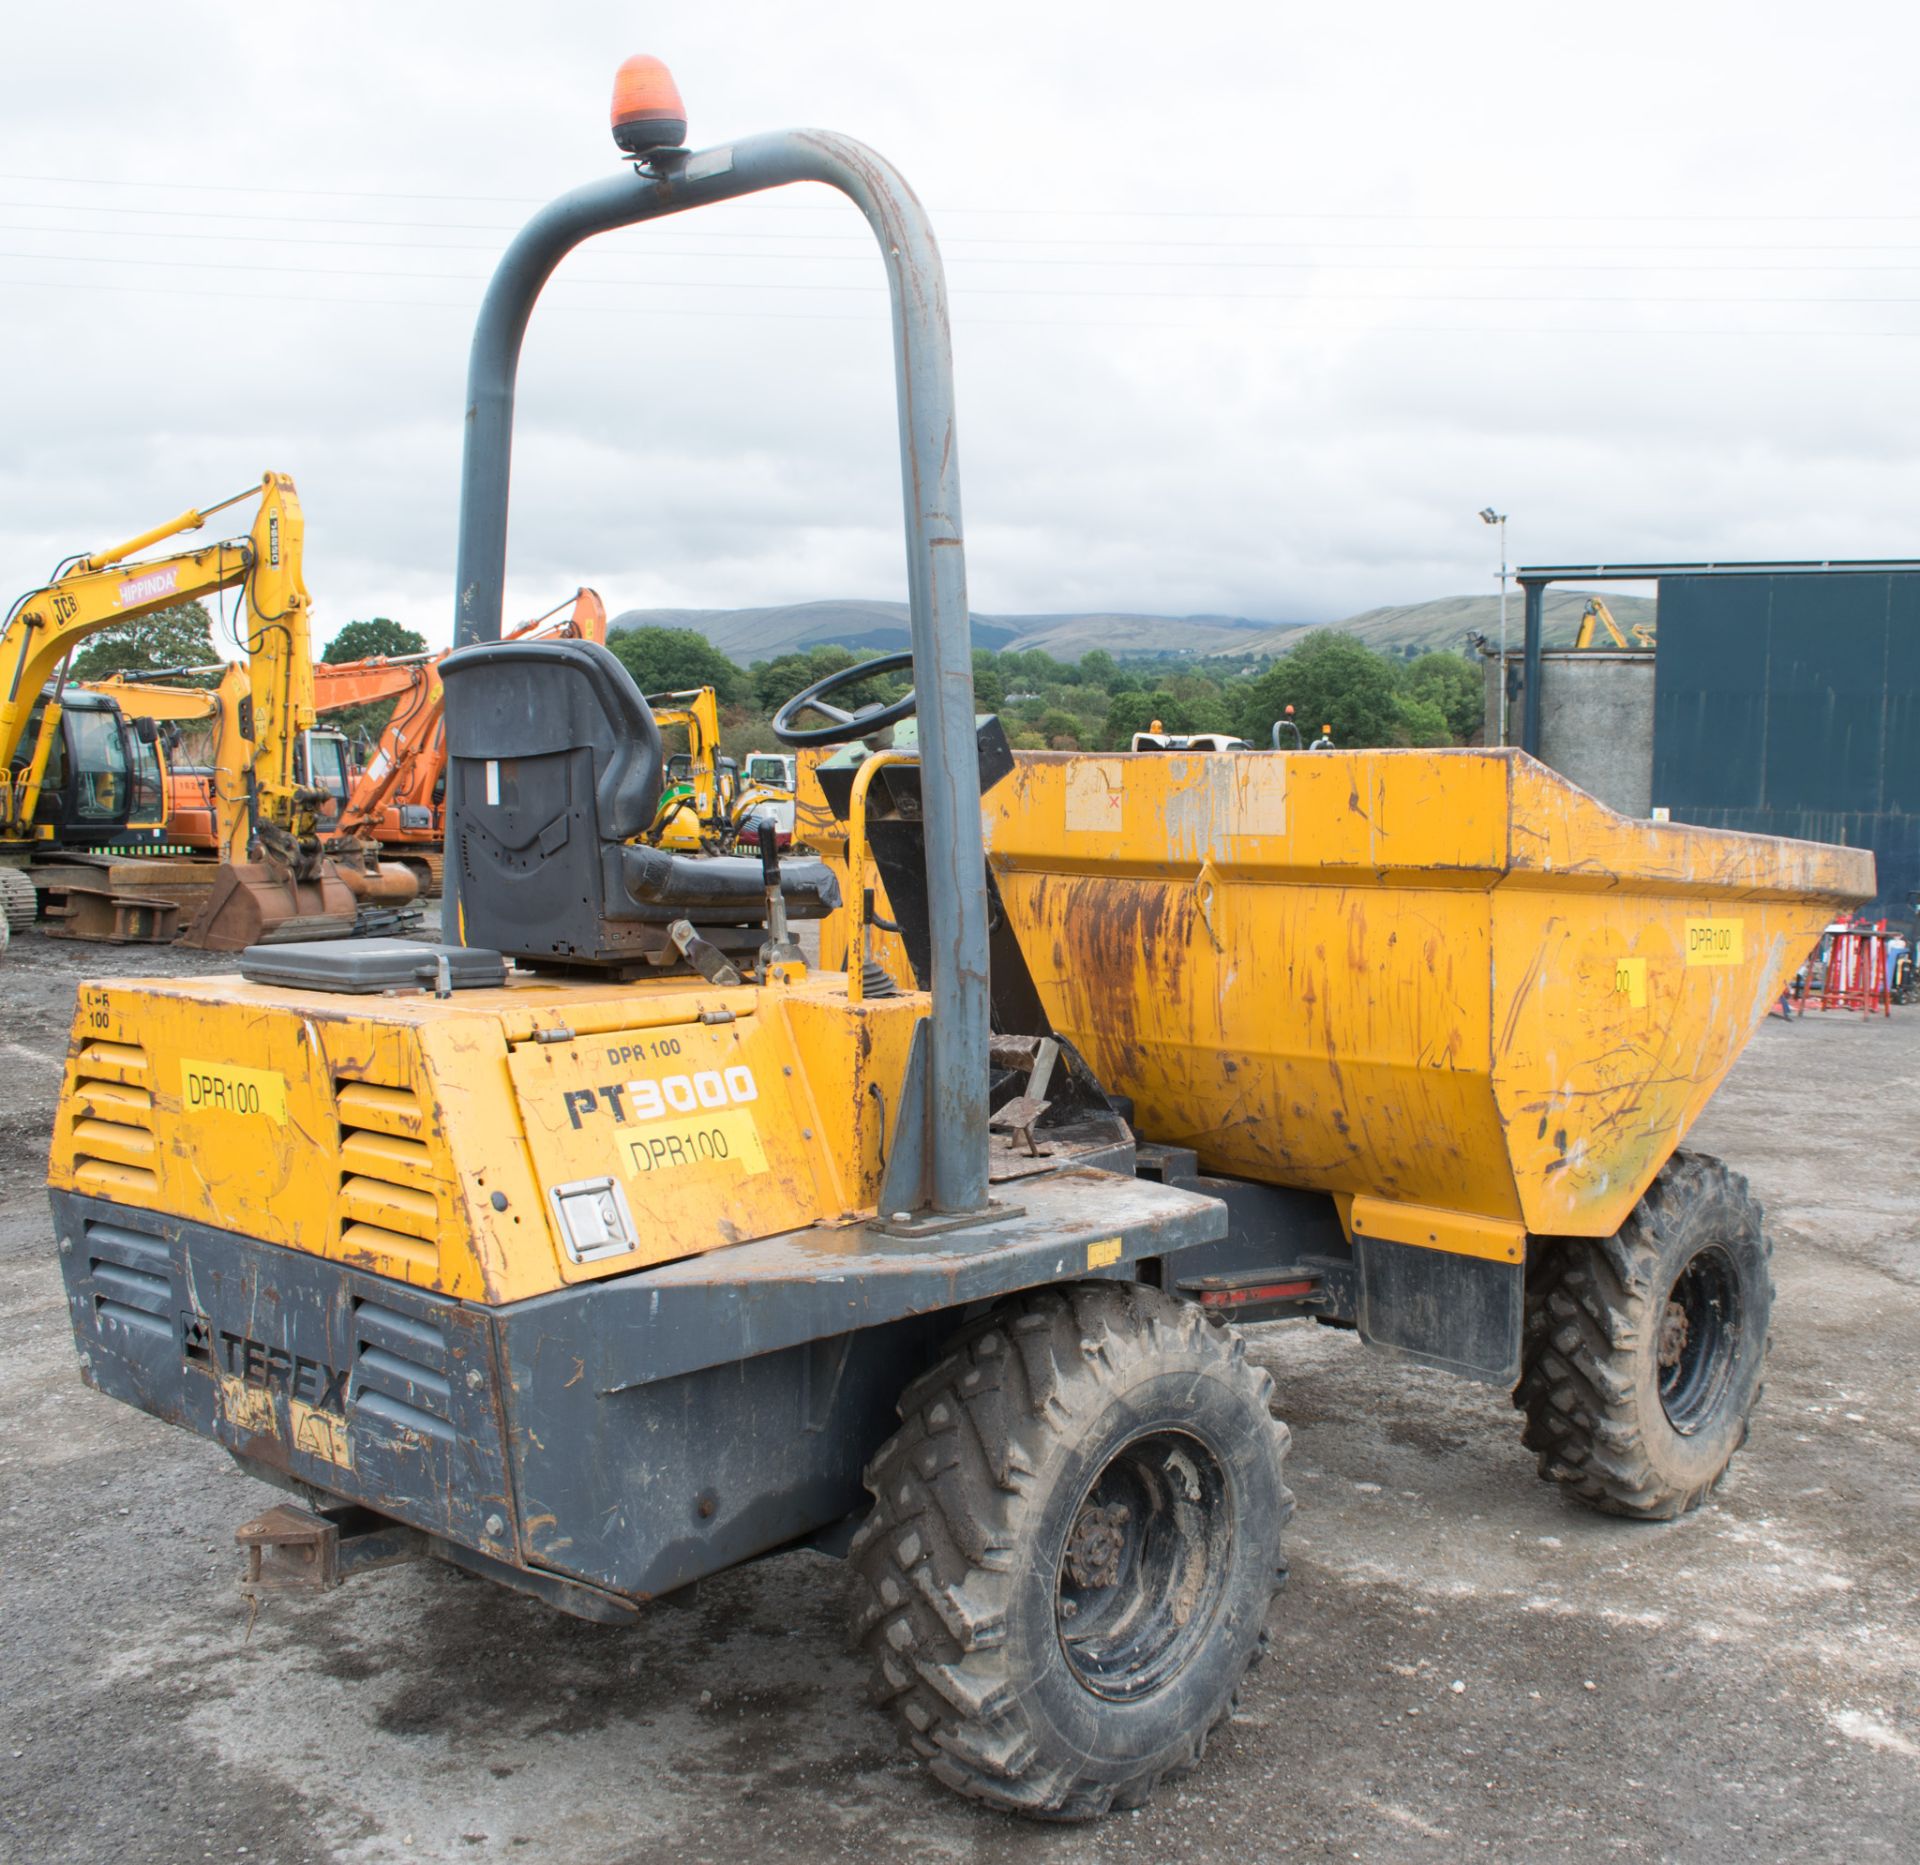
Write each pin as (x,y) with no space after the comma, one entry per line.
(146,776)
(322,764)
(105,784)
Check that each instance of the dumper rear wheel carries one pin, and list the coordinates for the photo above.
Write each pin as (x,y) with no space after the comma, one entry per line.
(1644,1351)
(1073,1546)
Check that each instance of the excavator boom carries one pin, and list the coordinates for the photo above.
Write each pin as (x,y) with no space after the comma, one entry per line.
(279,659)
(1597,612)
(379,676)
(263,804)
(98,592)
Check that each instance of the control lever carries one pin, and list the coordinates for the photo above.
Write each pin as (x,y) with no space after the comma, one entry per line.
(702,954)
(780,947)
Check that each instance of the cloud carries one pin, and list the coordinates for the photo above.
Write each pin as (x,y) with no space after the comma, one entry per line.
(1254,309)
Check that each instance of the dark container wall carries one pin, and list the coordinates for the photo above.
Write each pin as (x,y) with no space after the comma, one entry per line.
(1790,705)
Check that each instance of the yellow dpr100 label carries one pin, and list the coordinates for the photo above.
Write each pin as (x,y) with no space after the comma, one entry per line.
(1715,942)
(227,1088)
(725,1139)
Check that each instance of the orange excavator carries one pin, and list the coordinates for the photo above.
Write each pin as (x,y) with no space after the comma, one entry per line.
(387,816)
(396,802)
(205,799)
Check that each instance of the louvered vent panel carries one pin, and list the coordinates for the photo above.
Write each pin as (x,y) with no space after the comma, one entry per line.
(400,1371)
(130,1277)
(114,1151)
(389,1191)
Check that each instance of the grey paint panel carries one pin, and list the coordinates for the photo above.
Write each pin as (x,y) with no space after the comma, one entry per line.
(351,1383)
(757,1298)
(659,1426)
(648,1488)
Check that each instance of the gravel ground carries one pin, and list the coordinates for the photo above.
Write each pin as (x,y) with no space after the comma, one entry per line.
(1463,1664)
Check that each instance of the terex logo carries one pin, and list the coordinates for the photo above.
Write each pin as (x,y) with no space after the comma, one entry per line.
(655,1099)
(256,1363)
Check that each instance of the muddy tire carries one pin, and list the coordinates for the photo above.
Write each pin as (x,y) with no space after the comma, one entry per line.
(1644,1351)
(19,904)
(1074,1542)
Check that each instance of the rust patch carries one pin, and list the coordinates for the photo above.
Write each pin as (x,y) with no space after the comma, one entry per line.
(1116,931)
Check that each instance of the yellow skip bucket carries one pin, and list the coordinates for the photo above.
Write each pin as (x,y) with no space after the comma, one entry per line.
(1447,985)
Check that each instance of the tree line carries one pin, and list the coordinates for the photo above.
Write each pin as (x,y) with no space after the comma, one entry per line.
(1332,681)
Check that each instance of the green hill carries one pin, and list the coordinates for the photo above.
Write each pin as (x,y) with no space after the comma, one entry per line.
(748,635)
(1446,621)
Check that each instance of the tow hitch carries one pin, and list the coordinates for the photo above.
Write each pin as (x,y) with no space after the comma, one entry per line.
(295,1550)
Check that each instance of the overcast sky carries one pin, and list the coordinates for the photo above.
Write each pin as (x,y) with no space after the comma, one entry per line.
(1255,305)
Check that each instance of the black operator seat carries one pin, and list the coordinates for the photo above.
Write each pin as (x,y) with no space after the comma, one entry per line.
(554,764)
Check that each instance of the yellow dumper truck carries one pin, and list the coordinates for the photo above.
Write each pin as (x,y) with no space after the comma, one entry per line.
(609,1245)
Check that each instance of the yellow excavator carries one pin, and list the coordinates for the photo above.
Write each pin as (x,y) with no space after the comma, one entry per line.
(286,888)
(696,809)
(72,774)
(207,800)
(706,806)
(1598,614)
(206,804)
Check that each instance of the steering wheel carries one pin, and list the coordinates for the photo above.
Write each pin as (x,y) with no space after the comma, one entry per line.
(843,727)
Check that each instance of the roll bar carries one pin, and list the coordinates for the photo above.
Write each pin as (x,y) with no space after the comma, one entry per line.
(673,183)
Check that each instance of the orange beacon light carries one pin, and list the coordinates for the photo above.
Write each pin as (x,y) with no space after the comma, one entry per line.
(647,111)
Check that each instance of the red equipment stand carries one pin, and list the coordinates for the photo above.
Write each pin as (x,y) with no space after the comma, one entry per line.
(1856,976)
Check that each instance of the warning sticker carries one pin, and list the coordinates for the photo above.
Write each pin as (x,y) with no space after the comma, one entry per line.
(1715,942)
(247,1407)
(320,1434)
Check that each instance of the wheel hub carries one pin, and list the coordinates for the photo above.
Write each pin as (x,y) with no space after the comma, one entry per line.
(1698,1338)
(1098,1541)
(1673,1334)
(1144,1565)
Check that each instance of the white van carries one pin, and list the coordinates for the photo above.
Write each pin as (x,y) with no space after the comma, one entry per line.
(768,771)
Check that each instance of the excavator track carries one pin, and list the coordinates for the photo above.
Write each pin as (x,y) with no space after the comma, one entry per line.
(428,864)
(19,904)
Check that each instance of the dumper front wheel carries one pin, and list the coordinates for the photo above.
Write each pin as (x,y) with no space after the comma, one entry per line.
(1073,1545)
(1645,1350)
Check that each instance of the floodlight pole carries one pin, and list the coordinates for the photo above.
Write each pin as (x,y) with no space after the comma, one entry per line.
(1503,628)
(1491,517)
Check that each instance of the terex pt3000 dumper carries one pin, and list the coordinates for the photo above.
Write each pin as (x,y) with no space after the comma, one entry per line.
(610,1245)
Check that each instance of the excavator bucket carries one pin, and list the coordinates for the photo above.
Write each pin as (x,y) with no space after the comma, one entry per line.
(250,904)
(380,883)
